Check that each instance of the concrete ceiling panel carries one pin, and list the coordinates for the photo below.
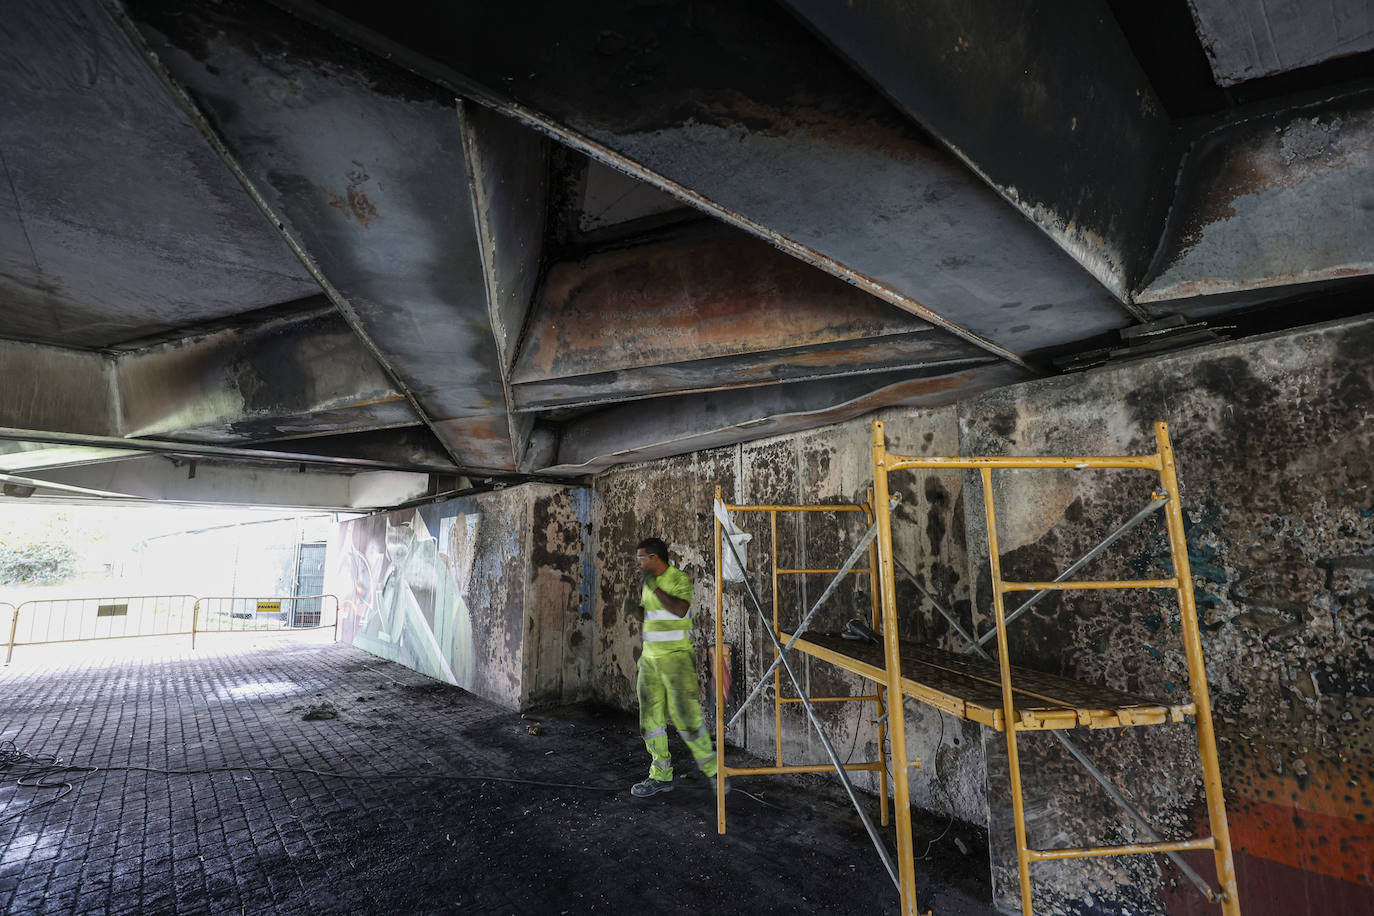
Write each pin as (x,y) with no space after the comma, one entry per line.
(83,261)
(1246,39)
(363,166)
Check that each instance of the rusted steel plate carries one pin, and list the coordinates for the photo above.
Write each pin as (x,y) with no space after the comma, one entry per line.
(923,350)
(1271,201)
(708,292)
(362,164)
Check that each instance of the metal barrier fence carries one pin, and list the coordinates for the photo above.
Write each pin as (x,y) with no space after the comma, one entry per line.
(65,620)
(256,615)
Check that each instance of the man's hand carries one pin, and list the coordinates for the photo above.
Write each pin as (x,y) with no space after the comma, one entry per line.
(647,578)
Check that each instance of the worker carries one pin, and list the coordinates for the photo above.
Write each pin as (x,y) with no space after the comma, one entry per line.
(667,684)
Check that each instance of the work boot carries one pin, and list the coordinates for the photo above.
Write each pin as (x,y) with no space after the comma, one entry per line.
(650,787)
(727,785)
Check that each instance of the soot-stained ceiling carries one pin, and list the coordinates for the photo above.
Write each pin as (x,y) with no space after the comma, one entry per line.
(350,254)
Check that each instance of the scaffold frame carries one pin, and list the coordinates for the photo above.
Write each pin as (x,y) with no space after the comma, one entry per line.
(995,693)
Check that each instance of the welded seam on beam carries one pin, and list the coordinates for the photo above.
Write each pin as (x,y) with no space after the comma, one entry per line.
(202,124)
(451,79)
(969,362)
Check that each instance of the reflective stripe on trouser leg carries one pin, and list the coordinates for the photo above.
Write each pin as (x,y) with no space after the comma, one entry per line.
(653,720)
(676,671)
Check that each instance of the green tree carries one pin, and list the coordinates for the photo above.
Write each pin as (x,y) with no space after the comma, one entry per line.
(36,563)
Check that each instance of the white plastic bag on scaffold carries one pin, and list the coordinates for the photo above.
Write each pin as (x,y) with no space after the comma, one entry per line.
(732,569)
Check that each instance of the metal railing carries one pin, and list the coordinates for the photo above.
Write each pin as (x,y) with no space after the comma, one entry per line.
(51,621)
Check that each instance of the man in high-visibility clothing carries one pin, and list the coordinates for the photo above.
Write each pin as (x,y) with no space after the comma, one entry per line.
(667,685)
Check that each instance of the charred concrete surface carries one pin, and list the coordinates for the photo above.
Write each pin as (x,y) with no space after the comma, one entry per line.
(672,499)
(1273,451)
(487,592)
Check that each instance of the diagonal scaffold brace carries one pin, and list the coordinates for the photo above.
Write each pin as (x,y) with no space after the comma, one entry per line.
(975,646)
(878,844)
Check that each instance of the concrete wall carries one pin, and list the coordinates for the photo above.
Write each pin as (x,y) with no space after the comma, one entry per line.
(1273,444)
(672,499)
(487,592)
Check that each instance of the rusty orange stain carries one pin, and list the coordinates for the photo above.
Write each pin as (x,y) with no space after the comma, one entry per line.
(353,202)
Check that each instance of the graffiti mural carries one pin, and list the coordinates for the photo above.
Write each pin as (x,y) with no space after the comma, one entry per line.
(402,579)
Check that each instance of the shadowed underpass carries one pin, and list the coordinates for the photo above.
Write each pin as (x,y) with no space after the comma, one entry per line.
(427,813)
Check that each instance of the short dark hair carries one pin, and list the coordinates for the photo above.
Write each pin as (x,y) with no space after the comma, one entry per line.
(655,546)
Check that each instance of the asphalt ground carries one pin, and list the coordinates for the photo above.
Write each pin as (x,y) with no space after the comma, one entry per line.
(300,777)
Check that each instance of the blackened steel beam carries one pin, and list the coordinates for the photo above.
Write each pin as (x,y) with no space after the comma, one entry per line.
(138,447)
(360,166)
(300,373)
(300,376)
(1042,99)
(911,352)
(704,292)
(675,425)
(1269,199)
(736,109)
(508,168)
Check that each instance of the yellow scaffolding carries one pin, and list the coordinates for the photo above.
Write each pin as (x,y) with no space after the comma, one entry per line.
(1012,699)
(877,698)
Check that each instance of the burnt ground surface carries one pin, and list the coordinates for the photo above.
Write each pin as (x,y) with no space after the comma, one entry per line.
(422,823)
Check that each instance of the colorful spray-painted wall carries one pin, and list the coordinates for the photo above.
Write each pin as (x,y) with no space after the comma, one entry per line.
(487,592)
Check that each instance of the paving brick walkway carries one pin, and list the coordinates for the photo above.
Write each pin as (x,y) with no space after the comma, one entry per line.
(401,834)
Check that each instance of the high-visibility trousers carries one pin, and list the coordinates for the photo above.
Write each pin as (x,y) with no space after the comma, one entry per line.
(667,686)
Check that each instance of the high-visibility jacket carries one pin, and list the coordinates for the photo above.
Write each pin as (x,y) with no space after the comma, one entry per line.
(664,631)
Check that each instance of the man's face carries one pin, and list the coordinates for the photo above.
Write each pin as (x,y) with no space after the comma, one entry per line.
(648,562)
